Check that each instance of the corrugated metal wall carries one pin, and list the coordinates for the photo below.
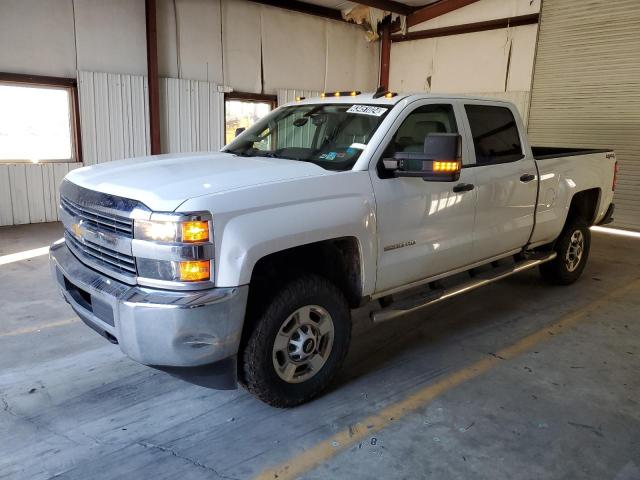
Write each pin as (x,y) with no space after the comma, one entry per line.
(192,115)
(586,87)
(114,116)
(29,192)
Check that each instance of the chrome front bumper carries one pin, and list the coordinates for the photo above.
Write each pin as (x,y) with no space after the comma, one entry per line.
(161,328)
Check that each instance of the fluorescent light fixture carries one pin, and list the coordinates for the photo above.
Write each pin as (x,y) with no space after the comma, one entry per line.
(16,257)
(616,231)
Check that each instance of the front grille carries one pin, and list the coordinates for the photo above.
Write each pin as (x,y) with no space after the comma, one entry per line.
(101,220)
(101,256)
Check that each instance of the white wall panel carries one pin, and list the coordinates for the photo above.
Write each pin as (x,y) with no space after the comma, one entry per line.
(242,45)
(113,116)
(167,44)
(523,50)
(110,35)
(293,49)
(235,43)
(474,62)
(481,11)
(192,115)
(352,63)
(37,38)
(471,62)
(6,208)
(199,40)
(287,95)
(29,192)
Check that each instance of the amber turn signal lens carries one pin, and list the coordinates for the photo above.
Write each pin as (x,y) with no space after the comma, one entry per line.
(195,231)
(195,271)
(447,167)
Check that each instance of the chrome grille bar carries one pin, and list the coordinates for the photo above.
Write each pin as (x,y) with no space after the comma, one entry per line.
(117,265)
(104,221)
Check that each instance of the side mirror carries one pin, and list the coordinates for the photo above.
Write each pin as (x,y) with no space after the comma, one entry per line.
(439,162)
(240,130)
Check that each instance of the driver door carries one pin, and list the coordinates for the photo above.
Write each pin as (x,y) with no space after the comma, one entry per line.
(425,228)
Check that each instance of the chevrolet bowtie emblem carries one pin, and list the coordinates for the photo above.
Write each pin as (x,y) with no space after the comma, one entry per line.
(76,228)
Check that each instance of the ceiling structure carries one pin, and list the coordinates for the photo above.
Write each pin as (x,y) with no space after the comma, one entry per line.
(415,11)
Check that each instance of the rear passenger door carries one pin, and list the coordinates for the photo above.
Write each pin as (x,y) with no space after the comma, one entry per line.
(506,180)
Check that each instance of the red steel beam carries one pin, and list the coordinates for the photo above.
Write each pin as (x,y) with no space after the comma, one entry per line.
(435,10)
(385,54)
(152,75)
(518,21)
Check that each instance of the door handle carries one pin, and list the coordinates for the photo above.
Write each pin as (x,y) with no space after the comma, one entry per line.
(527,177)
(463,187)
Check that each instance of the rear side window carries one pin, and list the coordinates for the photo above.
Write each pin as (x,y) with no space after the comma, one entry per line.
(495,134)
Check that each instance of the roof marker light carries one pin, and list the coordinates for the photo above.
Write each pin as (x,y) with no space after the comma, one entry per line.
(298,99)
(322,95)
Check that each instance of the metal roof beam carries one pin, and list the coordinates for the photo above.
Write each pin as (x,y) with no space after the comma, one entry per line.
(435,10)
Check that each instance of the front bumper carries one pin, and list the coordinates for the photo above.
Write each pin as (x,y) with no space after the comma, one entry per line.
(160,328)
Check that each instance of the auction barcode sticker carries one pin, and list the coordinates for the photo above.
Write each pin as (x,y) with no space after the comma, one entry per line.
(367,110)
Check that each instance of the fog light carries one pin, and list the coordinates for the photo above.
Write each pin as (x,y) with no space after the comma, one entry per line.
(195,231)
(195,271)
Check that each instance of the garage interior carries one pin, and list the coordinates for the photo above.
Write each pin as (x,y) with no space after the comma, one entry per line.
(515,380)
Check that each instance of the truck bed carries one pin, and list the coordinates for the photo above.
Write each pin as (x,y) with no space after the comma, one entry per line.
(544,153)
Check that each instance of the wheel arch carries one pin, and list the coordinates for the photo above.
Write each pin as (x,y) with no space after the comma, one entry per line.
(337,259)
(584,206)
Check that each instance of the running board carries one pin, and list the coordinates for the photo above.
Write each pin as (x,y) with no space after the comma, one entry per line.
(413,304)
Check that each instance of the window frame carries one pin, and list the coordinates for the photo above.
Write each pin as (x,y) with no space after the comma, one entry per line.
(472,145)
(40,81)
(459,117)
(246,97)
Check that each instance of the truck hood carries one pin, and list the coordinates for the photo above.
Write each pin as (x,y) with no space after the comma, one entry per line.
(163,182)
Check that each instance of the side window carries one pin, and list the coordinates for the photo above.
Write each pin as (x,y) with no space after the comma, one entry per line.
(495,134)
(418,124)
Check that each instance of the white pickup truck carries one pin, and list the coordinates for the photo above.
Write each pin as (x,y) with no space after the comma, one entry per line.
(246,263)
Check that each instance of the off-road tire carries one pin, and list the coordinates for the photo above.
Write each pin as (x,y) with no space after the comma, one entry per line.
(258,372)
(557,271)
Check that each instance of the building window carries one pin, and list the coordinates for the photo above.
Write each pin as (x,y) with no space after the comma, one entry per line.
(38,119)
(241,110)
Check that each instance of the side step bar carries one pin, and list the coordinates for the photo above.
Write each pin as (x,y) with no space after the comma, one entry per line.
(413,304)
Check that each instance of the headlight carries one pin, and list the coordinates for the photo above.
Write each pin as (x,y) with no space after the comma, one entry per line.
(172,232)
(174,250)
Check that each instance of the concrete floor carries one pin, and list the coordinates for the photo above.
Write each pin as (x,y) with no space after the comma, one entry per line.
(73,407)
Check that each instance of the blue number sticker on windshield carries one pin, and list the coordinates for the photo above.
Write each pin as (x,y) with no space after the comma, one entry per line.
(329,156)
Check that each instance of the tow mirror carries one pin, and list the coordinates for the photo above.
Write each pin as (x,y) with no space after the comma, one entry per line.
(240,130)
(439,162)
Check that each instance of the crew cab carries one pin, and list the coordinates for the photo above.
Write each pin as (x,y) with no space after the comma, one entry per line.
(245,264)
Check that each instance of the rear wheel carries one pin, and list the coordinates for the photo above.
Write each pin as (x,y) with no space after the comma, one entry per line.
(572,247)
(298,344)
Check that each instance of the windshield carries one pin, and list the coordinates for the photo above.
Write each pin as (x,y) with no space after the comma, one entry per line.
(329,135)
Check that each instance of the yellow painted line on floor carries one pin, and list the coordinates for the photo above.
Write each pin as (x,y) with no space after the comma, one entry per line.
(27,254)
(332,446)
(26,330)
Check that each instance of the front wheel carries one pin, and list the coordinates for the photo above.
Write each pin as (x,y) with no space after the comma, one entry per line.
(572,247)
(298,343)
